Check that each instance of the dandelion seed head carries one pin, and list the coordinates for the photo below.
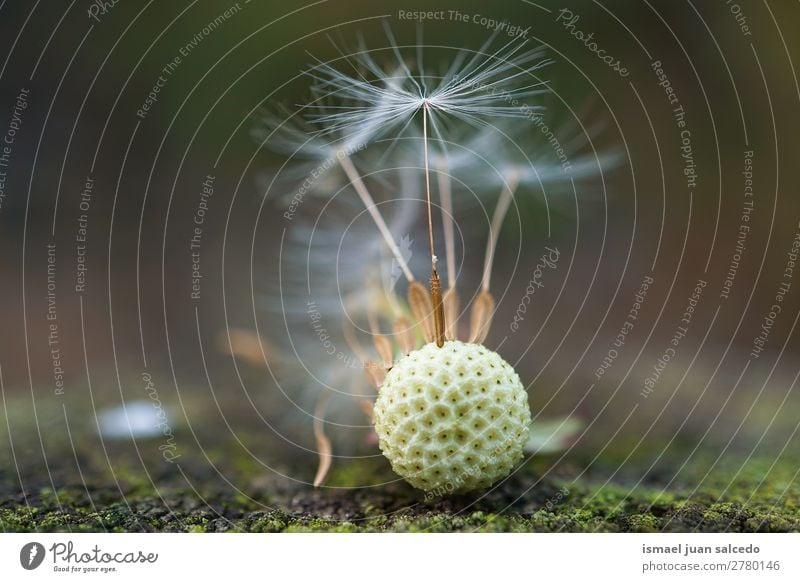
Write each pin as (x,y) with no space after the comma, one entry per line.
(483,132)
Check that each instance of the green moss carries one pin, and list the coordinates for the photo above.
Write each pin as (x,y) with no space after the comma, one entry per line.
(585,513)
(580,494)
(643,523)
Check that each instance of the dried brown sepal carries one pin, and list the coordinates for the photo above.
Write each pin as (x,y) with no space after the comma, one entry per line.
(324,449)
(404,334)
(375,371)
(421,305)
(481,317)
(451,304)
(384,348)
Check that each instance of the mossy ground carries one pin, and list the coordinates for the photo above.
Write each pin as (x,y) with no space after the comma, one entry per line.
(587,508)
(556,503)
(218,487)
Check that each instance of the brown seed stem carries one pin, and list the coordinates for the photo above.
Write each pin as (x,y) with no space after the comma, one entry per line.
(438,308)
(436,284)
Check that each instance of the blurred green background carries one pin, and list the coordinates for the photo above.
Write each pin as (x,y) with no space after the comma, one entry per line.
(134,332)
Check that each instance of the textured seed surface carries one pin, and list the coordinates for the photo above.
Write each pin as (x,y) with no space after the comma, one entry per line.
(452,419)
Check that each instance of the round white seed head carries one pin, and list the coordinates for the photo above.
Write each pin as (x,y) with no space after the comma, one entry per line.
(452,419)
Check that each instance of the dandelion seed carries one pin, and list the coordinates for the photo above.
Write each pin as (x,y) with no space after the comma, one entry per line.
(467,92)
